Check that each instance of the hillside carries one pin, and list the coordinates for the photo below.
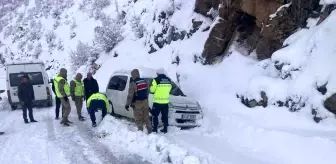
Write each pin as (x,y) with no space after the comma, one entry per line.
(266,101)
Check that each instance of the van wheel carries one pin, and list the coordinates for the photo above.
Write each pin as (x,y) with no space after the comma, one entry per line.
(49,104)
(14,107)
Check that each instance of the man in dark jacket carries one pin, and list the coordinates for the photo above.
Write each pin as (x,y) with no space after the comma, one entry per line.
(90,86)
(26,97)
(138,96)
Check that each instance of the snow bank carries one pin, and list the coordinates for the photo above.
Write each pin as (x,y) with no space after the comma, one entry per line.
(154,147)
(306,63)
(327,2)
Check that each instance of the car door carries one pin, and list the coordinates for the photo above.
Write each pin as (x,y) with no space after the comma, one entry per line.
(14,81)
(116,92)
(36,78)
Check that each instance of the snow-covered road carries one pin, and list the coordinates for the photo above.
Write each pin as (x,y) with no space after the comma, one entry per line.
(47,142)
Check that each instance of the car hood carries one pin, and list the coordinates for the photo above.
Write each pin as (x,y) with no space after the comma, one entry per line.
(183,101)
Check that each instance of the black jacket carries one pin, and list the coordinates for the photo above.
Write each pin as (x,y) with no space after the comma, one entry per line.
(26,92)
(90,87)
(53,86)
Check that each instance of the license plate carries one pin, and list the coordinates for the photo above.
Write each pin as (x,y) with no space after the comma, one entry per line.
(188,117)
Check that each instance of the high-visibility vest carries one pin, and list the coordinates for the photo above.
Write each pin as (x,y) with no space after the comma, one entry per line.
(66,87)
(161,87)
(98,96)
(79,88)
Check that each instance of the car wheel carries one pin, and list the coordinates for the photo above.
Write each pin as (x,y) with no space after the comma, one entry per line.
(14,107)
(112,109)
(49,104)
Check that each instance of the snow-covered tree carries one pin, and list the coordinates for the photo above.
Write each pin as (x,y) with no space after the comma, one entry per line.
(84,52)
(109,34)
(100,4)
(137,27)
(37,51)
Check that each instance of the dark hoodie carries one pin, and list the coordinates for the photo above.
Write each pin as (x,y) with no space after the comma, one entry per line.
(26,92)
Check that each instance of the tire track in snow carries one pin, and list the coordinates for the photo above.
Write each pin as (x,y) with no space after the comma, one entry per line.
(73,151)
(81,146)
(105,153)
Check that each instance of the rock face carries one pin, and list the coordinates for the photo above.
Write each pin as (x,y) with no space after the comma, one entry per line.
(330,103)
(273,21)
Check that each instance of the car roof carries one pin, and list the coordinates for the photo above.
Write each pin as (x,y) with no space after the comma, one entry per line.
(145,72)
(22,62)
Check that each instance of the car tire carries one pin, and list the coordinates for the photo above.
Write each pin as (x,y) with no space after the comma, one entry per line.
(112,109)
(49,104)
(14,107)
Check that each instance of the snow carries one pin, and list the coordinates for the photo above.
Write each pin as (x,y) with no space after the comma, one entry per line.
(49,142)
(31,61)
(327,2)
(230,133)
(279,9)
(155,148)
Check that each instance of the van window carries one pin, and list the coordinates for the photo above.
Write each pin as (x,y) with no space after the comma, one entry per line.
(35,78)
(175,91)
(118,83)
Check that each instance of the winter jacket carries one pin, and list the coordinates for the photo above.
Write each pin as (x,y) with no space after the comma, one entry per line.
(26,92)
(90,87)
(53,85)
(138,90)
(161,87)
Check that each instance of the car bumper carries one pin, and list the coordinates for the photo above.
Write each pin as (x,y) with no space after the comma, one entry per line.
(176,118)
(35,102)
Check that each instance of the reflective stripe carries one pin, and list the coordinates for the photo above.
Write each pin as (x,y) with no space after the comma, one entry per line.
(98,96)
(161,92)
(66,87)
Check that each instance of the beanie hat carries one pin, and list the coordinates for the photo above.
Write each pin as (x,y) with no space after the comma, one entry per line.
(160,71)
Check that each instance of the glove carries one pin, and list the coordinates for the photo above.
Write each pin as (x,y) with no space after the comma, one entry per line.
(127,107)
(22,103)
(66,98)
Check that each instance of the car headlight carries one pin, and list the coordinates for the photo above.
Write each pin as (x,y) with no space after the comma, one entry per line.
(170,105)
(199,106)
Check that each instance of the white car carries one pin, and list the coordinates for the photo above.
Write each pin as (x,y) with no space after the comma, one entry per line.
(38,76)
(183,111)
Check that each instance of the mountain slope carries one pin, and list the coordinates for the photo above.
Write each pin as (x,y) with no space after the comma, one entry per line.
(103,35)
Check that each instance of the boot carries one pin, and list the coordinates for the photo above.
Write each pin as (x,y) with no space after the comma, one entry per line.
(94,124)
(33,120)
(69,122)
(26,121)
(164,130)
(154,130)
(2,133)
(81,118)
(56,118)
(65,124)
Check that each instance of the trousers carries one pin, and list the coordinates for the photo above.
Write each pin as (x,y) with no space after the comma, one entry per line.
(156,110)
(95,105)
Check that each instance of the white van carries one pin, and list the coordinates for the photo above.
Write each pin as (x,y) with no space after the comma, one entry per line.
(38,76)
(183,111)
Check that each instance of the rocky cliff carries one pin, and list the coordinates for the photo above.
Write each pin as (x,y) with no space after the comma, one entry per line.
(260,25)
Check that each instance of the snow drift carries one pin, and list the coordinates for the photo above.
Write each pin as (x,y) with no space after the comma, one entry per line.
(77,35)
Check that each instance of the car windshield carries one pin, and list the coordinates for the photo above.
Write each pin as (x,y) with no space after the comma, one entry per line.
(35,78)
(176,91)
